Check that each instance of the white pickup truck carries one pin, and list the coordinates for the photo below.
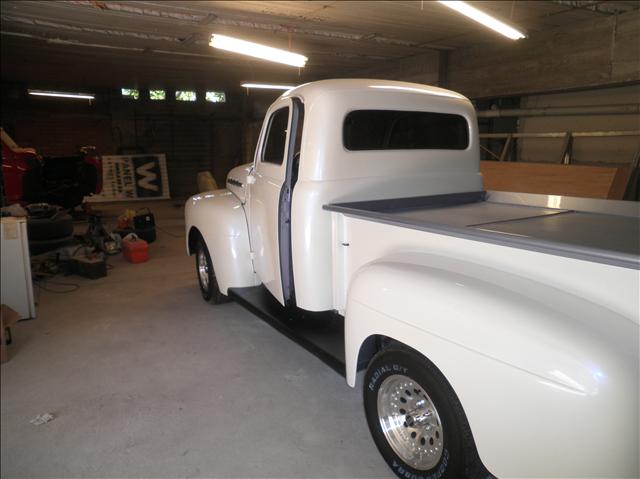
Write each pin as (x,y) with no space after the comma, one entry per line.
(499,331)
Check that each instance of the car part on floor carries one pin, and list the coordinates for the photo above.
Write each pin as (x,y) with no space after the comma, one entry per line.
(134,249)
(144,225)
(98,237)
(92,267)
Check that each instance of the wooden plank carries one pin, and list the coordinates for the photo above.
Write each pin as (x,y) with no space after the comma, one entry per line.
(553,179)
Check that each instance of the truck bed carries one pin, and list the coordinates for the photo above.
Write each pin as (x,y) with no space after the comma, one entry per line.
(593,236)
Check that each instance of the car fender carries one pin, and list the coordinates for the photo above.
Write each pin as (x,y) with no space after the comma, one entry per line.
(543,376)
(219,217)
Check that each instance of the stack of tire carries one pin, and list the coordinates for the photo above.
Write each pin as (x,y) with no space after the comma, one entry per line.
(48,228)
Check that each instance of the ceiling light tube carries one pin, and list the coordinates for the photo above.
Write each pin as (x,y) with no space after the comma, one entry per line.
(62,94)
(256,50)
(266,86)
(485,19)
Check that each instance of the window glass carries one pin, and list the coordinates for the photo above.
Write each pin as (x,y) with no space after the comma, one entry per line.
(276,137)
(215,96)
(404,130)
(186,95)
(130,93)
(157,95)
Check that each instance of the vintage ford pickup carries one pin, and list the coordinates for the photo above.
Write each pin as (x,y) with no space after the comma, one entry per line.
(498,331)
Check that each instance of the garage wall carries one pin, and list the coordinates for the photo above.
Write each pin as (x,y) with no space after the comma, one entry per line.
(603,51)
(194,136)
(55,128)
(614,150)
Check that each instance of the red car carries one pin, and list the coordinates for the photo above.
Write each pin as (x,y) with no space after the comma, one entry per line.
(28,177)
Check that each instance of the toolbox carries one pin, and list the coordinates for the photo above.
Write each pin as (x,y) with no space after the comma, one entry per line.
(135,250)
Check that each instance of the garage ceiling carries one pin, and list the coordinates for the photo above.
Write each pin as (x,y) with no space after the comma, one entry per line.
(165,44)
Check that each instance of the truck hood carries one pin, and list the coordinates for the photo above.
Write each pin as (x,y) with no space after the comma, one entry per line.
(237,181)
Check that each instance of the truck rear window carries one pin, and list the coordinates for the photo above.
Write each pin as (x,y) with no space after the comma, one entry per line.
(404,130)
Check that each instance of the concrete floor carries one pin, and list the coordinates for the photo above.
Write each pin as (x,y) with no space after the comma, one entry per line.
(147,380)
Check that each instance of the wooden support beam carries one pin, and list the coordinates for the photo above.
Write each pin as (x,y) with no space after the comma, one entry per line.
(567,147)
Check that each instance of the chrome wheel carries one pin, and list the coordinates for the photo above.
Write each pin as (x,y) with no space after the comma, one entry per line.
(410,422)
(203,269)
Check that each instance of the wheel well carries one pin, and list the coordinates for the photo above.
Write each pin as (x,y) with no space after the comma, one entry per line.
(194,236)
(369,347)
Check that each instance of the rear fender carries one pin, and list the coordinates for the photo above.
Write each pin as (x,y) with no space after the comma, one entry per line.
(219,218)
(532,366)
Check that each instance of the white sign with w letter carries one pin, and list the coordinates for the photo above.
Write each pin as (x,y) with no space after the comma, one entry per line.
(133,177)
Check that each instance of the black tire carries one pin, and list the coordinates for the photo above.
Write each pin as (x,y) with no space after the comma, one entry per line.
(387,369)
(209,289)
(58,226)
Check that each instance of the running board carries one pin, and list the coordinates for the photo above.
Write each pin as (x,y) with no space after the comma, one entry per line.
(322,334)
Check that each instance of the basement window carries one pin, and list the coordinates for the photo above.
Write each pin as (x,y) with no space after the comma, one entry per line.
(215,97)
(130,93)
(186,95)
(157,95)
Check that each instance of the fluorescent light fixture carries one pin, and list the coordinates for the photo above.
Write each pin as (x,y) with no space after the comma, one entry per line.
(485,19)
(256,50)
(266,86)
(62,94)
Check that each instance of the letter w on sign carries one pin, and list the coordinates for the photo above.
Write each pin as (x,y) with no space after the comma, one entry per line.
(147,170)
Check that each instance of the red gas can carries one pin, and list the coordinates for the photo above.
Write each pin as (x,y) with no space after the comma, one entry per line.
(135,250)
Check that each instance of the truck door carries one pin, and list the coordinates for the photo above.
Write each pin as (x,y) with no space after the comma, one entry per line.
(271,186)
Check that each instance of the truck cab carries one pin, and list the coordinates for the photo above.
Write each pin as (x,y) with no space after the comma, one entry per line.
(301,164)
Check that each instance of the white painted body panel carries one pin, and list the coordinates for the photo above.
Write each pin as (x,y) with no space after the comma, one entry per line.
(220,218)
(311,230)
(536,346)
(263,195)
(237,181)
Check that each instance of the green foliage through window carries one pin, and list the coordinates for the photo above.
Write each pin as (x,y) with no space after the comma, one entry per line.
(130,93)
(157,94)
(215,96)
(186,95)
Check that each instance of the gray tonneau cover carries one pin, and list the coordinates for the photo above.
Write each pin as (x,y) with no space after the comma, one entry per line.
(597,237)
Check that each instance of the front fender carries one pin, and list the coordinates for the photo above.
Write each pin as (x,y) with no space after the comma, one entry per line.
(548,381)
(219,217)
